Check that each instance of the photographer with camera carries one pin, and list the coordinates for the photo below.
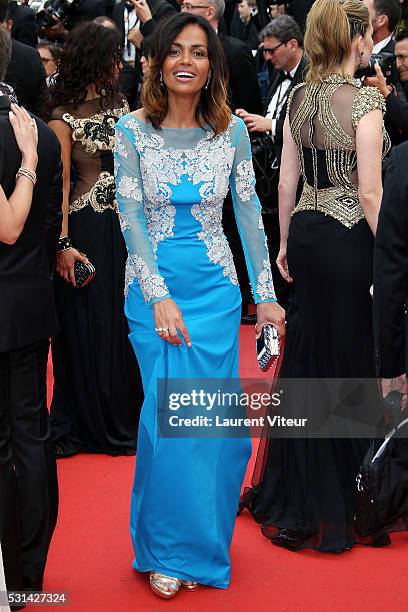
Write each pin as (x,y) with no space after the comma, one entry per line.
(58,17)
(395,90)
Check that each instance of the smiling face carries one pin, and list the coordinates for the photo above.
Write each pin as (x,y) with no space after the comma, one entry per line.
(186,67)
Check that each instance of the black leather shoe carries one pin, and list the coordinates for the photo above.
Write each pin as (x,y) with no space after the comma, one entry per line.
(291,539)
(248,319)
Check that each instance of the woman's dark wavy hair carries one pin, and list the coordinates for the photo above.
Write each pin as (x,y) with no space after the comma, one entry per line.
(90,56)
(212,109)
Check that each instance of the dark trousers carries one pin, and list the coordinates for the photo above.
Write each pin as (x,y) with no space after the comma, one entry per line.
(234,240)
(28,473)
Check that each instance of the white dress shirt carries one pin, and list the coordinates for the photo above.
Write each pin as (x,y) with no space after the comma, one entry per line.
(278,100)
(131,21)
(380,45)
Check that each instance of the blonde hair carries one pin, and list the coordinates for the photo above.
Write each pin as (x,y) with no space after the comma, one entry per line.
(331,27)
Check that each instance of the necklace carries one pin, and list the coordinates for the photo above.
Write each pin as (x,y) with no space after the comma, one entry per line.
(338,79)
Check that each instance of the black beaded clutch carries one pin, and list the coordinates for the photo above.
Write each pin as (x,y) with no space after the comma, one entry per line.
(267,347)
(84,273)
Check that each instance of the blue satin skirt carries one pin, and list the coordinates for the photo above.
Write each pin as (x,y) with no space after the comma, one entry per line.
(186,490)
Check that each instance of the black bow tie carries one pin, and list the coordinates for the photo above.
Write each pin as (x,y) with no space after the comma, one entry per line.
(287,76)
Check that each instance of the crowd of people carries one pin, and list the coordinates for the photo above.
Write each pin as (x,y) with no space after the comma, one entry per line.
(164,165)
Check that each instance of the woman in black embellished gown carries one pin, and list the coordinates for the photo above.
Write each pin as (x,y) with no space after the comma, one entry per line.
(97,389)
(303,489)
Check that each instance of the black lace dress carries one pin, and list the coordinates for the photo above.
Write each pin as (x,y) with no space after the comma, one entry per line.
(97,389)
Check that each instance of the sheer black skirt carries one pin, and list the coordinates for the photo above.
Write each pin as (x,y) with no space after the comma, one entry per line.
(97,387)
(309,485)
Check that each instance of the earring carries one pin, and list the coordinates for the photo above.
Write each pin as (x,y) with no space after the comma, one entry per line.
(208,80)
(360,63)
(161,77)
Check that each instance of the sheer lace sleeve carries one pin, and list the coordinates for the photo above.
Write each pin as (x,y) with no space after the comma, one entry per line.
(247,211)
(141,262)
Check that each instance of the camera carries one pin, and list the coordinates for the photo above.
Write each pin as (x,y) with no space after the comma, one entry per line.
(386,61)
(55,10)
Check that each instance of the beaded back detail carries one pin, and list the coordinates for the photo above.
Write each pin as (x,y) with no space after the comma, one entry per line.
(323,119)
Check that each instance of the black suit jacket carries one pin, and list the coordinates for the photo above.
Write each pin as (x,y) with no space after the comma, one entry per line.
(26,295)
(389,47)
(276,80)
(86,10)
(26,75)
(396,116)
(24,28)
(299,9)
(243,79)
(391,268)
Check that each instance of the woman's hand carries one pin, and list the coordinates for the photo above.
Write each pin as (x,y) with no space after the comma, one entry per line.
(26,134)
(282,264)
(254,123)
(66,262)
(168,319)
(270,312)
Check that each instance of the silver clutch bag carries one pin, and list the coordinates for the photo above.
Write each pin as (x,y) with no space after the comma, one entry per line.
(267,347)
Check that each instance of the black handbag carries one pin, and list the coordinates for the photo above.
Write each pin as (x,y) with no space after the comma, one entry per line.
(382,484)
(264,160)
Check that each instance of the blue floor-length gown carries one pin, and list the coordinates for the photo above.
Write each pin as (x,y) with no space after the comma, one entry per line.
(171,184)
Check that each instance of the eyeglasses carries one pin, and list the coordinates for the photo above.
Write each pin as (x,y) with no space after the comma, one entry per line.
(186,6)
(271,50)
(401,57)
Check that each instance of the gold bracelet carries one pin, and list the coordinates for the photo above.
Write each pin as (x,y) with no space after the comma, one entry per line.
(30,174)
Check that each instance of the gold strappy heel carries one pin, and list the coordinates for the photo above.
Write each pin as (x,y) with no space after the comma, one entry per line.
(164,586)
(188,585)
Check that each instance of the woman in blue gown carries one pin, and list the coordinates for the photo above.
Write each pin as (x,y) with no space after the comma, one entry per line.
(175,159)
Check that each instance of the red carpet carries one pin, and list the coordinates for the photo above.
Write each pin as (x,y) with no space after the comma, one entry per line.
(91,554)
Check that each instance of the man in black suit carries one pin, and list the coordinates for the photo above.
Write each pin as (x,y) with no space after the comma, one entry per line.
(391,274)
(283,47)
(28,476)
(25,73)
(384,15)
